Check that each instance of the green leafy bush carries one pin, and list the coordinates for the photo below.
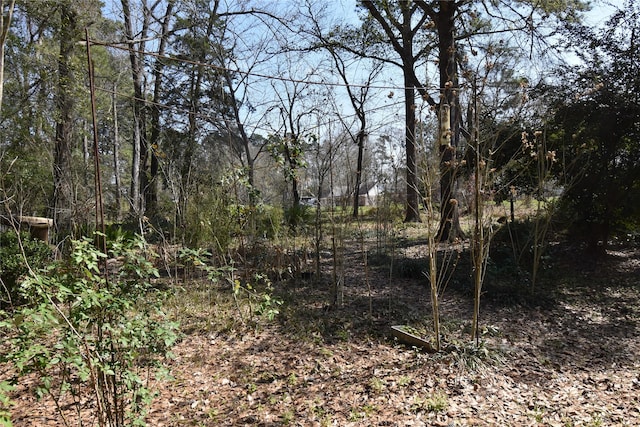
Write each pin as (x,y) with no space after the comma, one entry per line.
(269,220)
(298,216)
(18,253)
(5,404)
(212,220)
(85,331)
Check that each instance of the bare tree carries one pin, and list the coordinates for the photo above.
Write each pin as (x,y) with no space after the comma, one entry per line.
(415,29)
(323,37)
(144,166)
(136,49)
(401,22)
(296,106)
(245,107)
(151,188)
(5,25)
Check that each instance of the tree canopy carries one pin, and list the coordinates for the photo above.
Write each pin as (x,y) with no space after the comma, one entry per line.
(595,131)
(238,96)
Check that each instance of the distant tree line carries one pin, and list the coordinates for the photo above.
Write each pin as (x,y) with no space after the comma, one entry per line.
(210,109)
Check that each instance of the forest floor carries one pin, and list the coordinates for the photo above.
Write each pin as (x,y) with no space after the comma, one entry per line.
(570,356)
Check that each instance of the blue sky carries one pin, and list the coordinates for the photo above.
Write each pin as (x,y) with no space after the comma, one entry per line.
(392,77)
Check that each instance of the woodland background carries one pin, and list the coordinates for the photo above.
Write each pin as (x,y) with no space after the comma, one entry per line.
(275,174)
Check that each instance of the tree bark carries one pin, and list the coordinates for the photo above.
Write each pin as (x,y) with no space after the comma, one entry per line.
(151,189)
(403,45)
(5,26)
(413,207)
(63,201)
(244,137)
(138,178)
(449,228)
(356,192)
(116,157)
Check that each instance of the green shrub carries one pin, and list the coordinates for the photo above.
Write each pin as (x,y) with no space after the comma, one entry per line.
(298,216)
(121,231)
(212,220)
(269,220)
(5,404)
(85,332)
(18,253)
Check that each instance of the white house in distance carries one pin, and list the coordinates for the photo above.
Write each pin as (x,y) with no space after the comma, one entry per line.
(369,193)
(368,196)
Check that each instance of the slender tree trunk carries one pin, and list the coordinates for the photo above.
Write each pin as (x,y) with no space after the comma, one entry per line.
(134,192)
(151,189)
(5,26)
(187,161)
(404,46)
(247,152)
(63,202)
(356,191)
(449,228)
(195,91)
(246,143)
(296,192)
(479,249)
(85,156)
(294,175)
(413,206)
(293,169)
(116,157)
(194,95)
(448,205)
(408,63)
(138,177)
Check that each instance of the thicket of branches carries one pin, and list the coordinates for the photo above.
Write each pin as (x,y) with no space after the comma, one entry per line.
(244,139)
(223,120)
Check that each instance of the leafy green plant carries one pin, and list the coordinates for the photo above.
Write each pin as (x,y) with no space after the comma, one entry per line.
(377,384)
(404,381)
(268,221)
(259,296)
(298,216)
(193,259)
(437,402)
(18,253)
(359,413)
(287,417)
(257,293)
(86,331)
(212,219)
(5,404)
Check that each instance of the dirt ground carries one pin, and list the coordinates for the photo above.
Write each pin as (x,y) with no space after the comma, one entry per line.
(568,357)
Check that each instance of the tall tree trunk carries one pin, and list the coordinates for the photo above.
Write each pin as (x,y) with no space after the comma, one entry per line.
(185,171)
(295,191)
(195,91)
(138,177)
(403,45)
(408,63)
(63,202)
(151,189)
(292,162)
(246,143)
(5,25)
(85,155)
(449,228)
(356,192)
(116,157)
(413,206)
